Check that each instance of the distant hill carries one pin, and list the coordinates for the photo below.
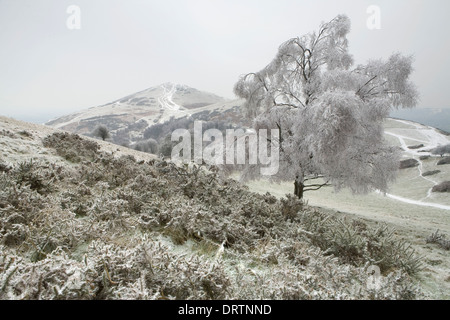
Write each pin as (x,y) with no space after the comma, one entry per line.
(130,116)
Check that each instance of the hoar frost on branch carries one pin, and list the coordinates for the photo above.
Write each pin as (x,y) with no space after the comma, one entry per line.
(329,114)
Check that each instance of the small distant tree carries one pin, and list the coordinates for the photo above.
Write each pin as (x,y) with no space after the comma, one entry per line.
(102,132)
(441,150)
(329,114)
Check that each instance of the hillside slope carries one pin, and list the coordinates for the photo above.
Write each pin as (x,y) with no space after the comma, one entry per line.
(136,112)
(81,219)
(409,206)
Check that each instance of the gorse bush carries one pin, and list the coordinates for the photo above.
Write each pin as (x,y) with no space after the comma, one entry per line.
(357,244)
(149,146)
(442,187)
(72,147)
(117,228)
(27,173)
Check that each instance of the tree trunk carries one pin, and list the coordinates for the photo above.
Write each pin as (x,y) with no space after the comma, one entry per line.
(298,188)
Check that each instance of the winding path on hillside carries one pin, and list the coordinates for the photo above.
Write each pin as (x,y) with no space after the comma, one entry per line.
(166,99)
(432,140)
(168,105)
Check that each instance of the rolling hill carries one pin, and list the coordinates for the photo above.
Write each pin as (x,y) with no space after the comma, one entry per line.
(128,117)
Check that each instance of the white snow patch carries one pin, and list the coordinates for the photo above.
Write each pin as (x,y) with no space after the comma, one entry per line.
(419,203)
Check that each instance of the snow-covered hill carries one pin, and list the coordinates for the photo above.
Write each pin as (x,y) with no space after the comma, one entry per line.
(138,111)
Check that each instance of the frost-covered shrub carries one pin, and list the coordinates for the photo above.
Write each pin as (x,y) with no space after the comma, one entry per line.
(147,270)
(55,277)
(156,271)
(443,161)
(440,239)
(71,146)
(30,174)
(291,206)
(8,133)
(430,173)
(408,163)
(442,187)
(358,245)
(314,276)
(4,167)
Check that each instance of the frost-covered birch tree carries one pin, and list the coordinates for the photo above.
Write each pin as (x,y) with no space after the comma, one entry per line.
(329,113)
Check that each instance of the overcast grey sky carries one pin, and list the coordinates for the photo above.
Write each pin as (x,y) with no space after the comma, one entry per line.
(124,46)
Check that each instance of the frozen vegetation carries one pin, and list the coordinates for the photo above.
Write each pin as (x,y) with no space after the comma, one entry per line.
(81,223)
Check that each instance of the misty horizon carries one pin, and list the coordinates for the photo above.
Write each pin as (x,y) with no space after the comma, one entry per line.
(122,47)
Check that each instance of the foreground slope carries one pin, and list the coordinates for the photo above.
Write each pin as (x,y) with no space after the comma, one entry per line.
(84,220)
